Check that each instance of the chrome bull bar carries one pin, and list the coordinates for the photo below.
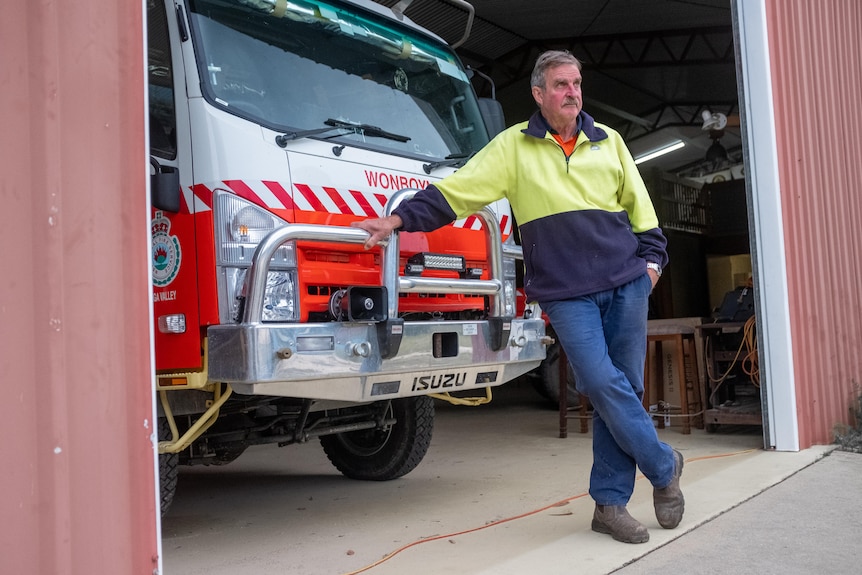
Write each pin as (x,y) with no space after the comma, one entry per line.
(390,277)
(360,360)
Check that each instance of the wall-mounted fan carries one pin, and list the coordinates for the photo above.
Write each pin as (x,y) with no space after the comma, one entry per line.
(714,122)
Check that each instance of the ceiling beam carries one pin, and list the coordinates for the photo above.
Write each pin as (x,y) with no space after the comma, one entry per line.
(673,48)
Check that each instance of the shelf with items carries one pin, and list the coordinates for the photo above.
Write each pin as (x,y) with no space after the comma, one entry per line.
(732,375)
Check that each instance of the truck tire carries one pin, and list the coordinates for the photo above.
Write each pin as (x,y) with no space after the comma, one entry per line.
(169,464)
(381,455)
(547,382)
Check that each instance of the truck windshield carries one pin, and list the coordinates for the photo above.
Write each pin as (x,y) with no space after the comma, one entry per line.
(299,65)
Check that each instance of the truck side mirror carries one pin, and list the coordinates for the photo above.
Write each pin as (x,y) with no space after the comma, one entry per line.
(164,187)
(492,113)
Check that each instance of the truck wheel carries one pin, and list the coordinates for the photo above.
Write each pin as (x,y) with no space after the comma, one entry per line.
(169,464)
(384,454)
(548,381)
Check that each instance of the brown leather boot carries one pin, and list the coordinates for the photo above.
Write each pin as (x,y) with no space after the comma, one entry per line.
(669,502)
(614,520)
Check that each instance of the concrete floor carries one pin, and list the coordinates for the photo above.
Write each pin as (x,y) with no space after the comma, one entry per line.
(498,493)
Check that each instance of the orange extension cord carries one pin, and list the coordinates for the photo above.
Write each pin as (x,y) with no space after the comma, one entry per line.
(749,362)
(392,554)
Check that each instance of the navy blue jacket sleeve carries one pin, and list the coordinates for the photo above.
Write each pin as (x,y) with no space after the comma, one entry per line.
(425,212)
(652,246)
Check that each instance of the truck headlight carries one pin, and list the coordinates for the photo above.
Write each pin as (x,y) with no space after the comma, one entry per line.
(239,227)
(509,295)
(279,302)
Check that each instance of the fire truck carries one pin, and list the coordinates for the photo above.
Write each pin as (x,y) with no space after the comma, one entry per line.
(274,124)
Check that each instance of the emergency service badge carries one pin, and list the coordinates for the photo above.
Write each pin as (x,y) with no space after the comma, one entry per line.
(166,251)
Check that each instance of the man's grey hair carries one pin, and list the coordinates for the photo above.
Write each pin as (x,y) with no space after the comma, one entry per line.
(551,59)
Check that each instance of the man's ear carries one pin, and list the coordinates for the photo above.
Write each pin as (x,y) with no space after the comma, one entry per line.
(537,95)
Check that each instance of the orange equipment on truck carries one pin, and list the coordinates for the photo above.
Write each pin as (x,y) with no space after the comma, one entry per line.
(274,124)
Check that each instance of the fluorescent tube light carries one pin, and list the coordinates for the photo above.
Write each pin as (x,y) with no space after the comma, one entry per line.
(660,152)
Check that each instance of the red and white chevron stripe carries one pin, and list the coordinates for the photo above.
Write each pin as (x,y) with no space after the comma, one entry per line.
(199,198)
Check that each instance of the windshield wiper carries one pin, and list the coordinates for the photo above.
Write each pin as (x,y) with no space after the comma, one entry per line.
(283,139)
(362,129)
(451,160)
(366,130)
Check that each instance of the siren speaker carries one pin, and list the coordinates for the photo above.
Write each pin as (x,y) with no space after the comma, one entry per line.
(365,303)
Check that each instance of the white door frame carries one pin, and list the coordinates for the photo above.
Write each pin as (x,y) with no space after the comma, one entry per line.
(778,393)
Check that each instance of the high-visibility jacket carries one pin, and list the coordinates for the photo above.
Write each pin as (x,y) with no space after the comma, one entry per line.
(586,221)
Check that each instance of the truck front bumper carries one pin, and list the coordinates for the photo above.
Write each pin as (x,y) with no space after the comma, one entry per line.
(344,361)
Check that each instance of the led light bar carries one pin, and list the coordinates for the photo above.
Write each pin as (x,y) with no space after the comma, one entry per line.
(428,261)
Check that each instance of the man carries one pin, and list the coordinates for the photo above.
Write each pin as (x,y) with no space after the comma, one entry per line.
(592,253)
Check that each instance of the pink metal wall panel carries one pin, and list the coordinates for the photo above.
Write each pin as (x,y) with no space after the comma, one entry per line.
(816,55)
(77,480)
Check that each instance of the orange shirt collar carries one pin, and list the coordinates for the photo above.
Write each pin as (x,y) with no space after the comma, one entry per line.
(569,145)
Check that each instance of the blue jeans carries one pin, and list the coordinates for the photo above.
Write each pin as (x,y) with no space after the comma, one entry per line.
(604,337)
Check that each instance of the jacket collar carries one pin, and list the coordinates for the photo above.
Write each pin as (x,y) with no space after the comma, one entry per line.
(538,127)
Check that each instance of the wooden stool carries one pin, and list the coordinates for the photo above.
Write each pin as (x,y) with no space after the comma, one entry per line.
(583,413)
(686,366)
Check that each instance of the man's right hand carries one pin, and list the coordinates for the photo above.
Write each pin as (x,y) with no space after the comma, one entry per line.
(378,229)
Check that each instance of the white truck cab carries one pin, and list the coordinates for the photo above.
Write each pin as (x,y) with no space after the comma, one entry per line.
(274,124)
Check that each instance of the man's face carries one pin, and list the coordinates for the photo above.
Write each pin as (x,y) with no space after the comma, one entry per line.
(560,100)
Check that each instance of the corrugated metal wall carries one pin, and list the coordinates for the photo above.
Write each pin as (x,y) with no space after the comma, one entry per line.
(816,55)
(78,486)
